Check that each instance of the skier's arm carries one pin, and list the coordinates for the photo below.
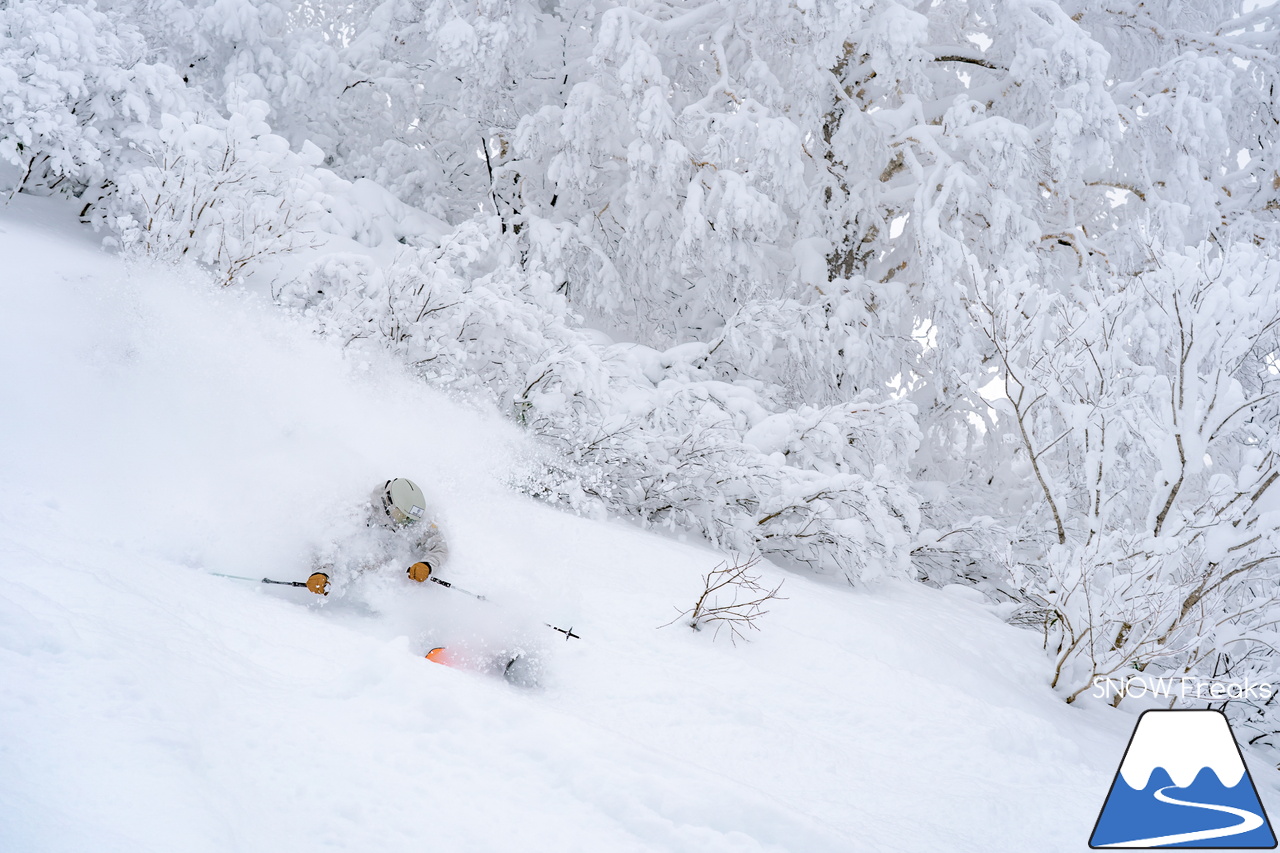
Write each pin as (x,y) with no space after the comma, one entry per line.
(431,545)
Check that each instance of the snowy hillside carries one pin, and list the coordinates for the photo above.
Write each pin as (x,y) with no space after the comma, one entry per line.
(156,430)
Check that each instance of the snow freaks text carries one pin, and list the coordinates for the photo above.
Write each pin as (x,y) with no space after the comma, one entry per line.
(1184,687)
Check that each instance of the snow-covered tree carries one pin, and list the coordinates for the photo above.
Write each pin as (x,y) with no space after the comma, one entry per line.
(1145,410)
(75,95)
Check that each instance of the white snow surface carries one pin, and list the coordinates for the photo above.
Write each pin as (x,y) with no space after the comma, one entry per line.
(156,431)
(1183,743)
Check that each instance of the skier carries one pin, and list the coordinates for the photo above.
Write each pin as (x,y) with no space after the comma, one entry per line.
(398,529)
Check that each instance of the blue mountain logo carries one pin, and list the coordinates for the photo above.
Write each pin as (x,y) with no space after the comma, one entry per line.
(1183,783)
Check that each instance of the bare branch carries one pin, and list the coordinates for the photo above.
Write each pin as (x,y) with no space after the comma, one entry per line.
(731,597)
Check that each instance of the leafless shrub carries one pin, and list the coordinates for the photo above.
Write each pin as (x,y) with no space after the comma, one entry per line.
(732,597)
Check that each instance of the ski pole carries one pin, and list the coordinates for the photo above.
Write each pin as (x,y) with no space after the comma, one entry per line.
(318,582)
(568,634)
(448,585)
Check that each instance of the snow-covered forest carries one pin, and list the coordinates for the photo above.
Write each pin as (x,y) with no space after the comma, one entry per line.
(982,295)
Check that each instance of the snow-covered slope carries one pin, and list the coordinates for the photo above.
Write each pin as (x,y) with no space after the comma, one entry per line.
(154,432)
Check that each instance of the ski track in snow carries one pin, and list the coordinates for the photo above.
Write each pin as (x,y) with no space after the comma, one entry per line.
(157,431)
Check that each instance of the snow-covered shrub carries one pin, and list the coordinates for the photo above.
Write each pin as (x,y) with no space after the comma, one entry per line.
(1146,412)
(226,192)
(74,93)
(82,113)
(461,318)
(802,488)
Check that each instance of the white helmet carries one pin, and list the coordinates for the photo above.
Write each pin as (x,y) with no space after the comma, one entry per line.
(399,501)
